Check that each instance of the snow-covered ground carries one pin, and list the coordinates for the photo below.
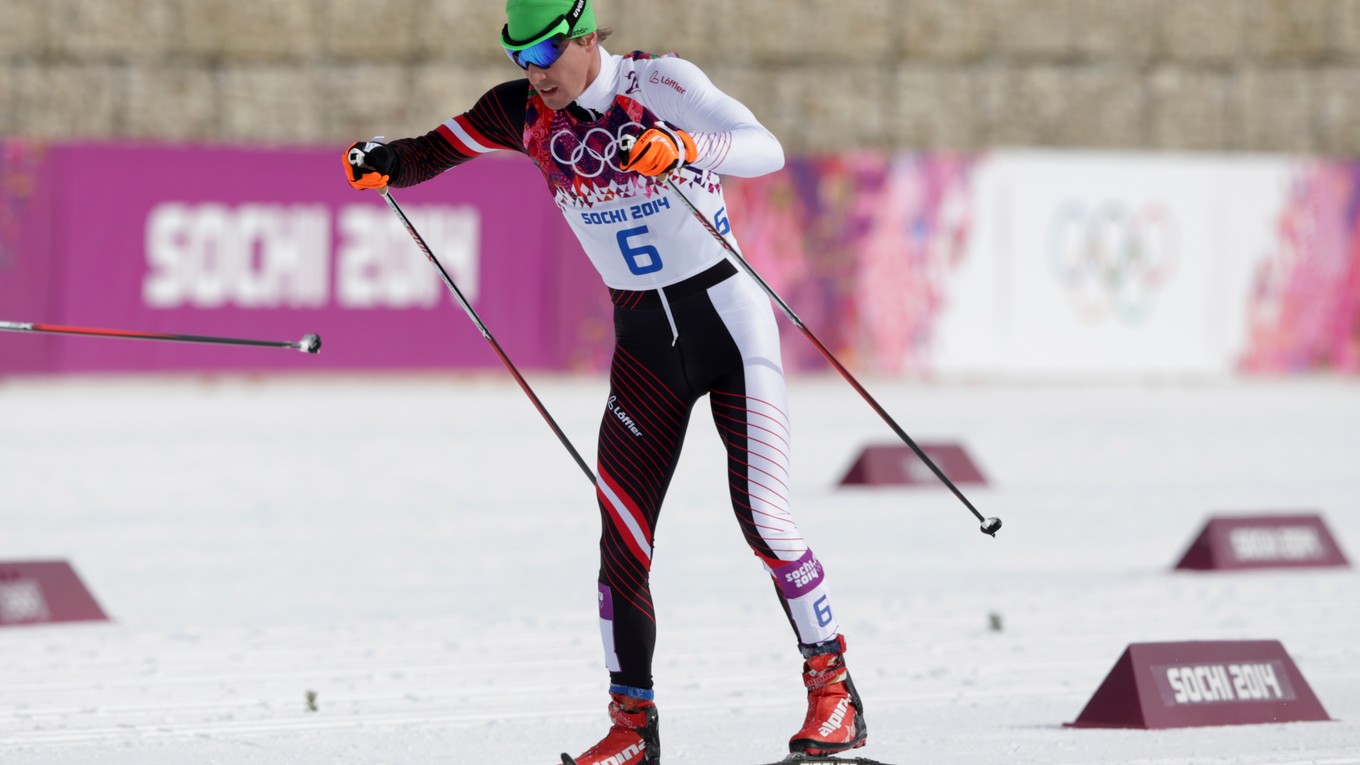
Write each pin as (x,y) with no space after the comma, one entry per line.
(419,553)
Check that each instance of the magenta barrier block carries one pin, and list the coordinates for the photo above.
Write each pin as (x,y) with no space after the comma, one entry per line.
(1265,541)
(1191,684)
(898,465)
(44,592)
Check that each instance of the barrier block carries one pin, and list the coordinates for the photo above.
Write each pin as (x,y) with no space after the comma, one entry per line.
(898,465)
(43,592)
(1264,541)
(1190,684)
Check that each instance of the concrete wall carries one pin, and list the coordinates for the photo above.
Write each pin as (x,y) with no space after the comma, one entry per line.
(1238,75)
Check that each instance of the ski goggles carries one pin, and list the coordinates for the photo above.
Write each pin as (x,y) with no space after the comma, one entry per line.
(541,54)
(543,49)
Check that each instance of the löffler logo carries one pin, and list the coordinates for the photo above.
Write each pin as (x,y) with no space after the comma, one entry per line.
(659,79)
(1113,258)
(624,419)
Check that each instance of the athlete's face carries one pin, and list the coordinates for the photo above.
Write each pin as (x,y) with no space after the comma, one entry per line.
(569,75)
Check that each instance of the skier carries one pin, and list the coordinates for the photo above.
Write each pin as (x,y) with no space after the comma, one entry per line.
(608,132)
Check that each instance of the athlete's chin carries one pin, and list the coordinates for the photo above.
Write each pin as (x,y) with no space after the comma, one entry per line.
(556,98)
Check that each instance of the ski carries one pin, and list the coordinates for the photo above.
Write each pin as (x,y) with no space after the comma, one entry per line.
(799,759)
(823,760)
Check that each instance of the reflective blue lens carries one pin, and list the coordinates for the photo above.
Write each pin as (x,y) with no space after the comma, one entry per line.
(542,54)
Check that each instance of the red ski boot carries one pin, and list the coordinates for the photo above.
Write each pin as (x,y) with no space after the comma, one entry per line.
(633,739)
(835,716)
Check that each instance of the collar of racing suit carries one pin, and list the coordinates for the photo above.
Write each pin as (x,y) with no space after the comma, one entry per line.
(599,94)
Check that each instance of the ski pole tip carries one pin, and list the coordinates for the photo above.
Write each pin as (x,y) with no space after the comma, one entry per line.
(310,344)
(991,526)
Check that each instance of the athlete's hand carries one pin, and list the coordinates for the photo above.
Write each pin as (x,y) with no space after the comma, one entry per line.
(661,149)
(369,164)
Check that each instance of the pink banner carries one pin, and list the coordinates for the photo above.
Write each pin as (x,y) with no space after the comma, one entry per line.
(273,245)
(861,246)
(1304,312)
(26,268)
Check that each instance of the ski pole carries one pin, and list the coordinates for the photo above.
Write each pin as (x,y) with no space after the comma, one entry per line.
(989,525)
(486,333)
(308,343)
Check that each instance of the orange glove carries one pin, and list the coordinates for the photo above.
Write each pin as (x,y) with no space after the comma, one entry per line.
(368,165)
(659,150)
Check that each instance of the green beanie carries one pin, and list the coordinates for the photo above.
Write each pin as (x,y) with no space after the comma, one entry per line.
(530,18)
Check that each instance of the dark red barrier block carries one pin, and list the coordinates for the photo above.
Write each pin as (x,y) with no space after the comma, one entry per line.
(898,465)
(42,592)
(1182,685)
(1265,541)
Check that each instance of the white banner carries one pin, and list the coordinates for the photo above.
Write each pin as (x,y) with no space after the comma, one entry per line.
(1099,264)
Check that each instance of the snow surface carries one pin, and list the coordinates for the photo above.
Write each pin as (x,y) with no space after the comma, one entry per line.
(419,552)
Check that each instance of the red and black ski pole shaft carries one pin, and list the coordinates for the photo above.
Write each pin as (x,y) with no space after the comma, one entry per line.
(308,343)
(486,333)
(989,525)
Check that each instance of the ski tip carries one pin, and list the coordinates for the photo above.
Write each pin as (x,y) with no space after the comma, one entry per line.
(567,760)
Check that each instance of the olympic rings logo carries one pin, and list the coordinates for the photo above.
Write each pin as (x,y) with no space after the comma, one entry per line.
(594,152)
(1113,259)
